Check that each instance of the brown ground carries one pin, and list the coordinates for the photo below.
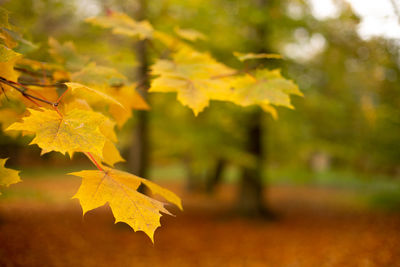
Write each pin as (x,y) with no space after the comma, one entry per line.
(317,227)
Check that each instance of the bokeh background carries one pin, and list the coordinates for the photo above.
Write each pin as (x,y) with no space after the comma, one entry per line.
(323,189)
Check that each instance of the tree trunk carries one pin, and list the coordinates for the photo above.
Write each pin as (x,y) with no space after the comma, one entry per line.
(138,160)
(216,176)
(251,200)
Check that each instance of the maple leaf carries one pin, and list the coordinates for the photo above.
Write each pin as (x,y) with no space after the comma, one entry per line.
(8,59)
(8,176)
(95,82)
(118,189)
(110,153)
(192,75)
(264,88)
(130,98)
(172,43)
(189,34)
(76,131)
(122,24)
(91,94)
(66,54)
(100,76)
(246,56)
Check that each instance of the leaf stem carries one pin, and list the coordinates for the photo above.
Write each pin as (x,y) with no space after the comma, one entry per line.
(93,160)
(62,95)
(41,85)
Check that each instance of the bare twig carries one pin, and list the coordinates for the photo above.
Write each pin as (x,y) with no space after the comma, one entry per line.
(23,90)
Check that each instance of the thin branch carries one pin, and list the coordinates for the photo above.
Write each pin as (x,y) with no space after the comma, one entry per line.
(4,92)
(33,101)
(41,85)
(32,73)
(24,93)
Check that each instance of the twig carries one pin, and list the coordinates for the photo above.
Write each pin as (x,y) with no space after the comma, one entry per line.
(32,73)
(41,85)
(4,92)
(24,93)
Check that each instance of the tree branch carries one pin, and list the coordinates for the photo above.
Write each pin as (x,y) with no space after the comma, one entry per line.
(24,93)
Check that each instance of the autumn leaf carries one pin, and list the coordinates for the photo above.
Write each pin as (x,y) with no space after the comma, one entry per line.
(8,59)
(122,24)
(94,75)
(264,88)
(91,94)
(77,131)
(118,189)
(66,54)
(189,34)
(246,56)
(172,43)
(130,99)
(111,154)
(193,75)
(8,176)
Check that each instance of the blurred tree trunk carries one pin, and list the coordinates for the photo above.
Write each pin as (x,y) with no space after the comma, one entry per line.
(215,176)
(251,201)
(138,160)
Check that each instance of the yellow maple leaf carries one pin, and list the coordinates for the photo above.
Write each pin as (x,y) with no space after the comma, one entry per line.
(264,88)
(118,189)
(122,24)
(76,131)
(8,59)
(193,76)
(246,56)
(66,54)
(130,98)
(98,76)
(172,43)
(189,34)
(8,176)
(91,94)
(110,153)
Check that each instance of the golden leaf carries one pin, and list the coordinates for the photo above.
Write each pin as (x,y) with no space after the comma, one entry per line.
(189,34)
(8,176)
(77,131)
(265,88)
(8,59)
(246,56)
(118,189)
(66,54)
(111,154)
(91,94)
(122,24)
(193,75)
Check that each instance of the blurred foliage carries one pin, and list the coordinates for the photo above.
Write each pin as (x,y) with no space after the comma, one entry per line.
(349,118)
